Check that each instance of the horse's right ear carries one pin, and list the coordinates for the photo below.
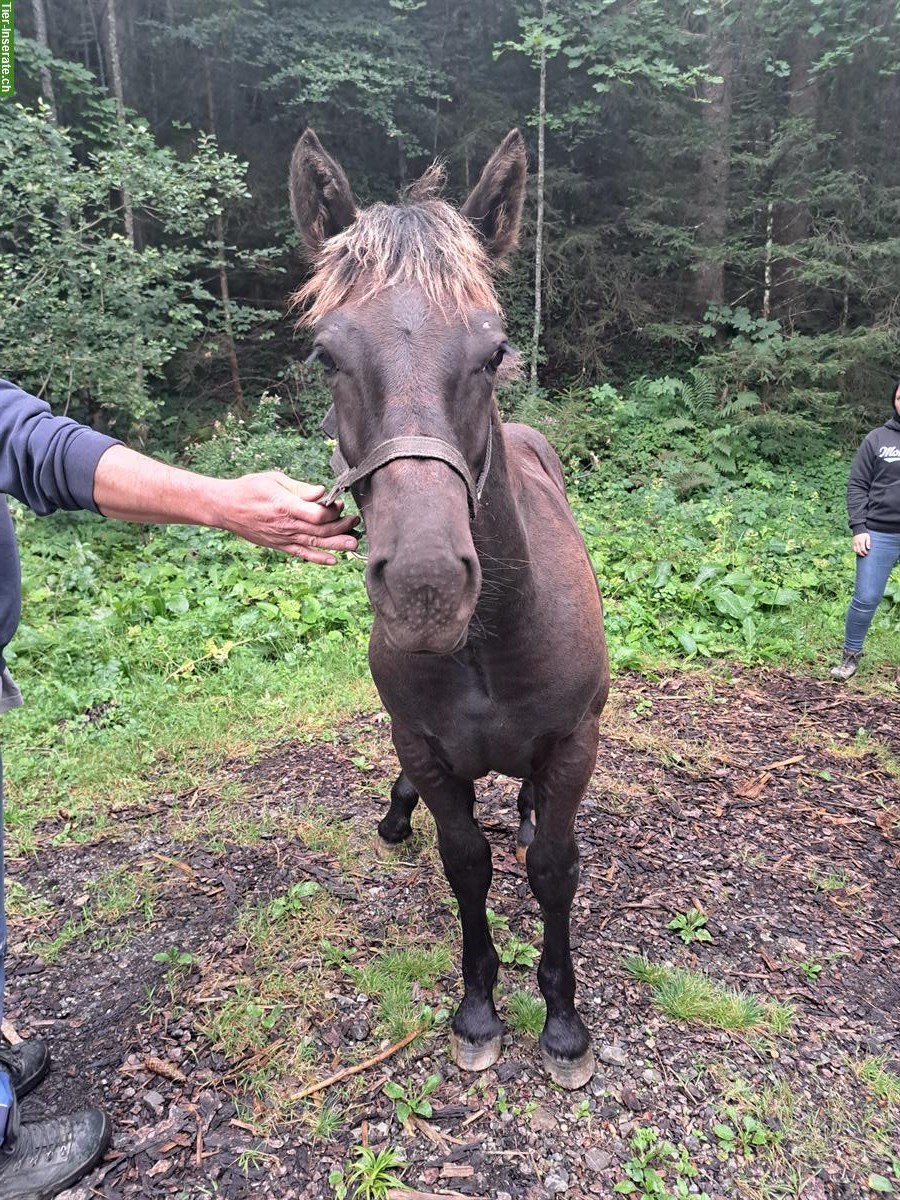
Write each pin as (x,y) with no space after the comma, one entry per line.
(495,204)
(321,200)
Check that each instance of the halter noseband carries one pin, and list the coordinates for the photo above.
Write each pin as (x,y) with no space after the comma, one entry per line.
(404,447)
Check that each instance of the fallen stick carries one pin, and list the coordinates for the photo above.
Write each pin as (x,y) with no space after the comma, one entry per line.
(363,1066)
(9,1032)
(784,762)
(406,1194)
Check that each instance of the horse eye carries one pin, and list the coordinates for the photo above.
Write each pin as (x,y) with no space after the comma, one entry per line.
(493,363)
(321,355)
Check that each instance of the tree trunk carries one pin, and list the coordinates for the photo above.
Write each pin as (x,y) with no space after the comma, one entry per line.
(224,290)
(708,285)
(115,67)
(40,33)
(539,220)
(767,261)
(793,220)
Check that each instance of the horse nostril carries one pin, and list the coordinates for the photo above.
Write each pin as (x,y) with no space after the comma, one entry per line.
(470,563)
(377,568)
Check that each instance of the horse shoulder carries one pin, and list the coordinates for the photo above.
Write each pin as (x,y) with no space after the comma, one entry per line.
(529,446)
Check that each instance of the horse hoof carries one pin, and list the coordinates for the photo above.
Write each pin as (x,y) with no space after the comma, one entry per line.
(521,853)
(387,850)
(474,1056)
(569,1073)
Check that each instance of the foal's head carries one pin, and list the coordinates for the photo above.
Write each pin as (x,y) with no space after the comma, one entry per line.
(409,332)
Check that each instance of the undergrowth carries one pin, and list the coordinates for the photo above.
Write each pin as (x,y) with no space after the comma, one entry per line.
(171,649)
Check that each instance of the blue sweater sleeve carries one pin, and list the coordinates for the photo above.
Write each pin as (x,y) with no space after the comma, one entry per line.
(47,462)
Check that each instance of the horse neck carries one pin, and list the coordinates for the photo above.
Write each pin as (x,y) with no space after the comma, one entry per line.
(499,533)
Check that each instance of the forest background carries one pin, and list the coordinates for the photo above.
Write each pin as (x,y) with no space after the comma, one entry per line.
(713,206)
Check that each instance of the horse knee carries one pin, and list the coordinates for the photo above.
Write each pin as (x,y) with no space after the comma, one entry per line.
(553,872)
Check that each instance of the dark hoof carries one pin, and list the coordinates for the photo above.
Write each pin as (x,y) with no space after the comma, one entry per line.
(474,1056)
(569,1073)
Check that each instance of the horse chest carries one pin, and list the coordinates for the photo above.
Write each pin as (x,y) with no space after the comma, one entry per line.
(472,723)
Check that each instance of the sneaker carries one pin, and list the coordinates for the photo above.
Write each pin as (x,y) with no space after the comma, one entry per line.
(26,1063)
(848,665)
(40,1159)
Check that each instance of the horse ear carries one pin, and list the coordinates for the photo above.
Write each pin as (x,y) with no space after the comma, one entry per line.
(495,204)
(321,200)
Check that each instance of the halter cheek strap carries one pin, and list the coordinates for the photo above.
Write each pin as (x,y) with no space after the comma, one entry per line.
(405,447)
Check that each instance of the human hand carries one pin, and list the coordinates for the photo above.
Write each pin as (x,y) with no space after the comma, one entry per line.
(271,509)
(861,544)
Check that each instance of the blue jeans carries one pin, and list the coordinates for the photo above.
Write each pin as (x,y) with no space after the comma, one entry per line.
(872,573)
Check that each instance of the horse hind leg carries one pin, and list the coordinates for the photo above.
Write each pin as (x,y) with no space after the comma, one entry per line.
(525,835)
(395,827)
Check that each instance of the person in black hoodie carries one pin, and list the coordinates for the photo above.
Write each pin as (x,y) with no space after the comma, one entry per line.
(873,510)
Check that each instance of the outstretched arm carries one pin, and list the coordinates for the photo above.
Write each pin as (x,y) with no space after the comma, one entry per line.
(51,462)
(269,509)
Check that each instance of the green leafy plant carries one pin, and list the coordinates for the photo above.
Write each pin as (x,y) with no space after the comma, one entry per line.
(690,926)
(408,1101)
(517,953)
(658,1169)
(880,1184)
(811,969)
(293,900)
(744,1134)
(370,1175)
(173,957)
(495,920)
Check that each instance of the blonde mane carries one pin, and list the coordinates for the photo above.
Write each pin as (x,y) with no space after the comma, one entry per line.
(420,242)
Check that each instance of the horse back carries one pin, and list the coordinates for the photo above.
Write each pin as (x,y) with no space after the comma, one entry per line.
(567,614)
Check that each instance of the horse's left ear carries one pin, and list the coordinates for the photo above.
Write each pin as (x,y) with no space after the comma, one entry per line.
(321,200)
(495,204)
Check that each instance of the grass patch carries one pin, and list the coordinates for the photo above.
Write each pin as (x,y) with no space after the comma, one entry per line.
(692,996)
(295,921)
(390,978)
(48,950)
(119,893)
(834,880)
(525,1013)
(883,1084)
(23,905)
(322,832)
(807,1131)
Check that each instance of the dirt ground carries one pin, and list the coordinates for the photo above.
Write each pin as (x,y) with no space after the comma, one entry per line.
(769,802)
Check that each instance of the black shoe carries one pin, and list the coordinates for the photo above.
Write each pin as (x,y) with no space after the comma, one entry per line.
(40,1159)
(26,1063)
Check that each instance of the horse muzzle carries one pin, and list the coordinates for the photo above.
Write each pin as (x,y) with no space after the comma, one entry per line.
(424,605)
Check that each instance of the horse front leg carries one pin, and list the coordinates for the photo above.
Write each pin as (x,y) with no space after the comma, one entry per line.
(476,1030)
(553,871)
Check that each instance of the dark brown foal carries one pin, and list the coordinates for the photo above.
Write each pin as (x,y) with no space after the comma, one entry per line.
(487,646)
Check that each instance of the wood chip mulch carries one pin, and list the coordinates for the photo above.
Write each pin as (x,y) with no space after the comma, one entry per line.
(769,801)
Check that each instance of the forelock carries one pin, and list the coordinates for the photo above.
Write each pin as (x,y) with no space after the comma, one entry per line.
(421,242)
